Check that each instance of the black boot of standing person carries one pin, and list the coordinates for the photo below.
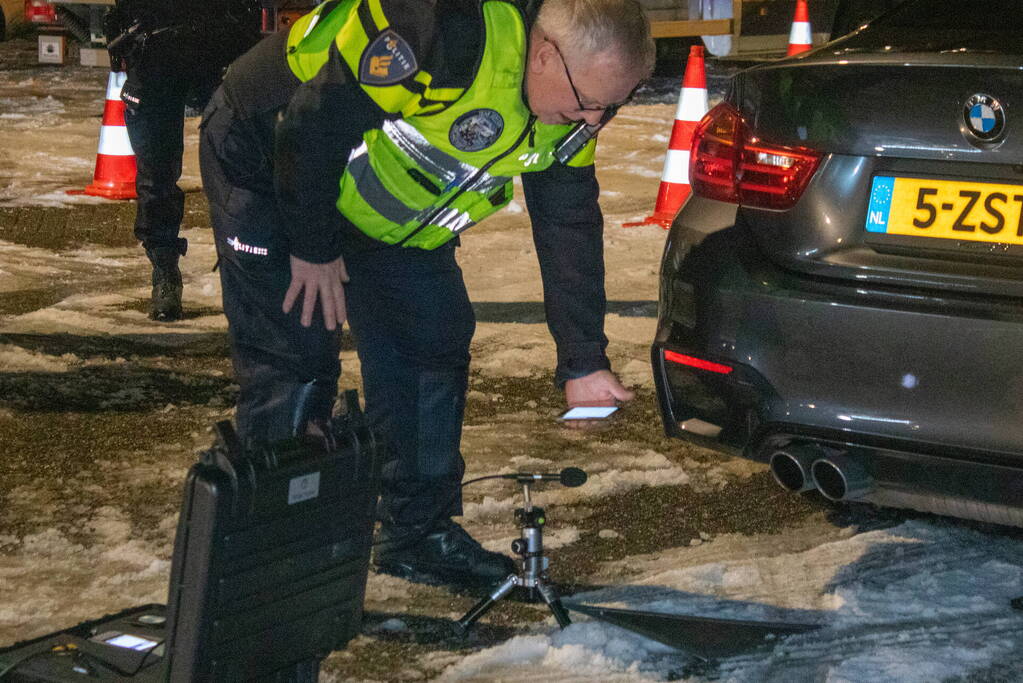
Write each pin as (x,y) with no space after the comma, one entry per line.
(155,121)
(165,305)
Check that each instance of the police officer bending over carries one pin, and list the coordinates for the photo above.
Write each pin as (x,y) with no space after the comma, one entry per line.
(174,52)
(343,160)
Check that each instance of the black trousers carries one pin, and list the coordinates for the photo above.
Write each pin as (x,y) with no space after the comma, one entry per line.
(156,131)
(408,311)
(165,76)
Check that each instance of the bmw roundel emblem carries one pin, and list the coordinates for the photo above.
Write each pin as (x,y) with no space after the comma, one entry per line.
(984,117)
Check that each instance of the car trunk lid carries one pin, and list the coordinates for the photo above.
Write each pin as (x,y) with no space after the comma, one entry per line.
(922,179)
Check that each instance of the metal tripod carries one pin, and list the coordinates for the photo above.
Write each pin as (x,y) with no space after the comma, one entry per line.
(533,568)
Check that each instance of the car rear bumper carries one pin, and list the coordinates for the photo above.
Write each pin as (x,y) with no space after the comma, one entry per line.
(899,370)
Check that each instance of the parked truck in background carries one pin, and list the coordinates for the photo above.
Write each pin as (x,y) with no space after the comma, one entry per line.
(729,28)
(12,16)
(84,21)
(748,30)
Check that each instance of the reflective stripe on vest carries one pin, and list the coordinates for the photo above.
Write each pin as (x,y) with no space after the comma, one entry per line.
(438,163)
(449,171)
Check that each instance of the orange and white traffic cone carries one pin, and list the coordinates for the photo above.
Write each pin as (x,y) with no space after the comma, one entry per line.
(801,36)
(692,105)
(114,177)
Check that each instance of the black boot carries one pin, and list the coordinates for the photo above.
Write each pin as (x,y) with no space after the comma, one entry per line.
(444,555)
(165,305)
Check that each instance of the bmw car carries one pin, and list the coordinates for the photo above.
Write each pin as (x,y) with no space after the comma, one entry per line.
(842,295)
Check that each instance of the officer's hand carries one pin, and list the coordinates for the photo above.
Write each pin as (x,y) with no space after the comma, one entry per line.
(323,280)
(600,388)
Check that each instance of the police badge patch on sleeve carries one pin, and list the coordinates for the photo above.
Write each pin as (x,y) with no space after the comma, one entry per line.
(387,60)
(476,130)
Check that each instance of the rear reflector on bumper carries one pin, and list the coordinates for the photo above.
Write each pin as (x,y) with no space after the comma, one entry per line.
(695,425)
(697,363)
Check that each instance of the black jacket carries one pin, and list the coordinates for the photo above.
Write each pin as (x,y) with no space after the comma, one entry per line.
(300,136)
(194,35)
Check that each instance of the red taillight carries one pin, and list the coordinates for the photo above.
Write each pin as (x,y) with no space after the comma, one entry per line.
(729,163)
(40,12)
(697,363)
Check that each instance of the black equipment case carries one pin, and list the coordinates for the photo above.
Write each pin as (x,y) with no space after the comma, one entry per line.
(268,573)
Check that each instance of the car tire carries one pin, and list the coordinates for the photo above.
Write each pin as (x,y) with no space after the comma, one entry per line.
(3,26)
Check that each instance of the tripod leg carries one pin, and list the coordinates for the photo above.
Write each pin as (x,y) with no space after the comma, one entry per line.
(552,600)
(484,605)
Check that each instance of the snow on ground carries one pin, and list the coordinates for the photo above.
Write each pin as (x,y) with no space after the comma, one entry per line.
(924,600)
(916,603)
(49,127)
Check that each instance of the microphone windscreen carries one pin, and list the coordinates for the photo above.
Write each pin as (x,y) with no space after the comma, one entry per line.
(572,476)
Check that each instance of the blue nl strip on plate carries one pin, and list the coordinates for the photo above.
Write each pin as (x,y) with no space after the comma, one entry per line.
(880,204)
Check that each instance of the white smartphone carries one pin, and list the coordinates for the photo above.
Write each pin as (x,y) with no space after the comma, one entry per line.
(589,413)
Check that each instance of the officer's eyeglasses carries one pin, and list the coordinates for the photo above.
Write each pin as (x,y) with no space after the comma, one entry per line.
(609,109)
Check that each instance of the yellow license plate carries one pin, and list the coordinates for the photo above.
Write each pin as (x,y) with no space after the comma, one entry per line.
(946,209)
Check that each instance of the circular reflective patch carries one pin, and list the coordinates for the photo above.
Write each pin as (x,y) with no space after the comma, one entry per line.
(476,130)
(984,117)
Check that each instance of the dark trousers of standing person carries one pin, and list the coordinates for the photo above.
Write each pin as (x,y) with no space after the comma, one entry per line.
(163,78)
(156,130)
(408,310)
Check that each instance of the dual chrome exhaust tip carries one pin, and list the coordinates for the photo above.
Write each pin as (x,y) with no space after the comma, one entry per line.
(805,466)
(841,475)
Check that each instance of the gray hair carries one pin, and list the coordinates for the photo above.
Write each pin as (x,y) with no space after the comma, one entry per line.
(591,27)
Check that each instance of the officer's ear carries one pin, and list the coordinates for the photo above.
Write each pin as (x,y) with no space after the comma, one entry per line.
(541,53)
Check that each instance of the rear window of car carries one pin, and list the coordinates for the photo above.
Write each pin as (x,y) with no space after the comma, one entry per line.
(988,26)
(994,16)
